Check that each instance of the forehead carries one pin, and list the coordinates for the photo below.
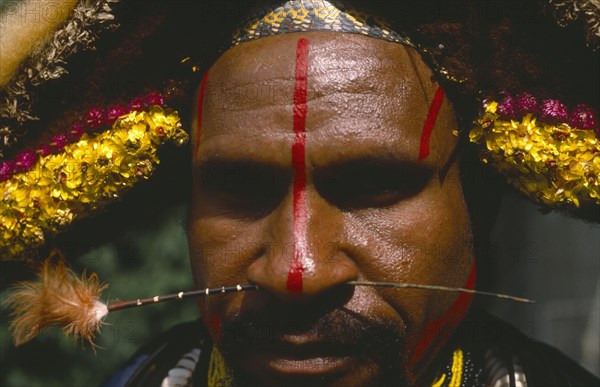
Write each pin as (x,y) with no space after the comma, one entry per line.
(363,96)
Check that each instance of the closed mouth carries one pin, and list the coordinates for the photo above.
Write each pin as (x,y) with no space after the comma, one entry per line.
(316,359)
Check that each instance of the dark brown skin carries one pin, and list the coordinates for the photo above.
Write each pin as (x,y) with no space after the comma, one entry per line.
(375,212)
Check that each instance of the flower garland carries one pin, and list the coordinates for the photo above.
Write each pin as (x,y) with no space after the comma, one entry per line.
(85,176)
(95,119)
(550,154)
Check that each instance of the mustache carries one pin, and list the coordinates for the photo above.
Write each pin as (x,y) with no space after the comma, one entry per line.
(380,340)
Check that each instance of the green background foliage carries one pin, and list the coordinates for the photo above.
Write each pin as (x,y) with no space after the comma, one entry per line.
(139,262)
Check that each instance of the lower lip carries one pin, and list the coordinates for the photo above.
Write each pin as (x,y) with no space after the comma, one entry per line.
(309,366)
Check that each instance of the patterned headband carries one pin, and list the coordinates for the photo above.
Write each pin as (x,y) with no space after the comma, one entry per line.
(314,15)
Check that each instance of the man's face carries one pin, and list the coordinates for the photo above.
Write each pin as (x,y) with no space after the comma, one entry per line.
(300,199)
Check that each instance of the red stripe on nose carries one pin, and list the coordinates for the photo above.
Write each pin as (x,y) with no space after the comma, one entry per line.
(434,109)
(294,282)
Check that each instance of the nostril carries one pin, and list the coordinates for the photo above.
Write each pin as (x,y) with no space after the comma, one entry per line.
(270,274)
(329,275)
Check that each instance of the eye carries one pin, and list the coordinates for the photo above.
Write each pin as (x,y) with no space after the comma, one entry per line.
(371,185)
(242,190)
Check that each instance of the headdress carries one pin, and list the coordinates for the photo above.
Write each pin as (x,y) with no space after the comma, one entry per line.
(547,147)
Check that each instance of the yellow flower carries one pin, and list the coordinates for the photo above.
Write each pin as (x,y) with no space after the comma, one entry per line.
(86,176)
(555,165)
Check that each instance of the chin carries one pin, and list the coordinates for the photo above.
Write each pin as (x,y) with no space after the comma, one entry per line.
(337,348)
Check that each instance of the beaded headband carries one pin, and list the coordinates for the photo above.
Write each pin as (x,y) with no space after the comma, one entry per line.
(314,15)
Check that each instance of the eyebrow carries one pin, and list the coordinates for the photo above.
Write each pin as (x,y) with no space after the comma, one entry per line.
(231,166)
(363,166)
(244,167)
(381,160)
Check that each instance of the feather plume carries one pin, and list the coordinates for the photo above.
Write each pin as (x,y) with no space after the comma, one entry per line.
(60,297)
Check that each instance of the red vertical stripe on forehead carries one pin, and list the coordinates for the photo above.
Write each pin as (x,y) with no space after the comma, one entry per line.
(200,103)
(294,282)
(436,332)
(300,92)
(434,109)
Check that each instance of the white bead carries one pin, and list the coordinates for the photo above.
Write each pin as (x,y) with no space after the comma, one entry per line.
(180,373)
(187,364)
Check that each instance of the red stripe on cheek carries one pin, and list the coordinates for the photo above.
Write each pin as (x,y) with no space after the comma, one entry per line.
(294,281)
(200,103)
(213,325)
(442,328)
(434,109)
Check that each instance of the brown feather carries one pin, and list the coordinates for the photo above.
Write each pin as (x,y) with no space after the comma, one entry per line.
(58,297)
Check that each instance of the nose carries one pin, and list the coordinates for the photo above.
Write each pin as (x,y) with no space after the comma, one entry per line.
(304,255)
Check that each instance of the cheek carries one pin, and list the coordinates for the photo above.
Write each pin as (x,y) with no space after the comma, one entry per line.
(425,240)
(220,250)
(217,252)
(220,247)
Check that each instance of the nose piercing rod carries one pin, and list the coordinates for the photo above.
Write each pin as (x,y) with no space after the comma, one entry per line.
(404,285)
(119,305)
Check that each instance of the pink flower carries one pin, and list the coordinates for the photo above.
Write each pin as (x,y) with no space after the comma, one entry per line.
(94,118)
(584,117)
(7,169)
(44,150)
(25,160)
(76,131)
(526,103)
(59,141)
(136,104)
(115,112)
(154,99)
(506,107)
(553,111)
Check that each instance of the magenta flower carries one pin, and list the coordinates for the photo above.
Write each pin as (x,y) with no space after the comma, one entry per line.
(7,169)
(115,112)
(60,141)
(583,117)
(25,160)
(154,99)
(136,104)
(76,131)
(94,118)
(553,111)
(506,107)
(526,103)
(44,150)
